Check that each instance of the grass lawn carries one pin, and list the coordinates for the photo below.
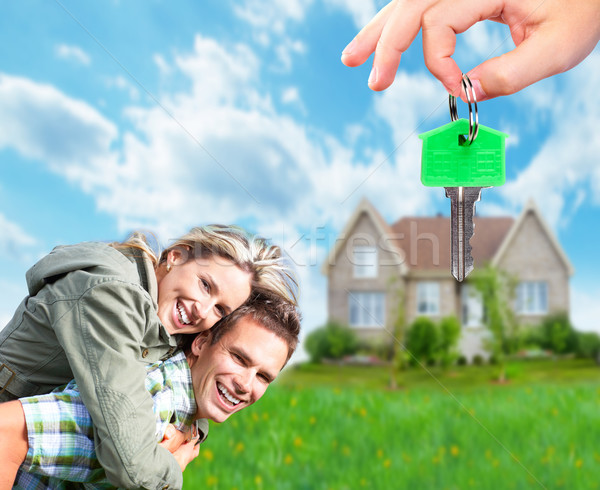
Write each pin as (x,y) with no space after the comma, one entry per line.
(340,427)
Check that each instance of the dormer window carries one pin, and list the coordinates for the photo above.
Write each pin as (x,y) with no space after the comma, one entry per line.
(365,261)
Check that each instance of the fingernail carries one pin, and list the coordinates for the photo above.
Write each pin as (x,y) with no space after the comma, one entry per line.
(373,76)
(479,92)
(348,49)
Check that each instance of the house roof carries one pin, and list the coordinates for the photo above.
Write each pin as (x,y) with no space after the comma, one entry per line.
(531,208)
(364,207)
(426,240)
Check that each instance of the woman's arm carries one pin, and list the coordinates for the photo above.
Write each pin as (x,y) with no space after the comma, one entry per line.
(13,442)
(102,336)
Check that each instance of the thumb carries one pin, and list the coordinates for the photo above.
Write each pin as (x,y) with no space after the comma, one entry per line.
(533,60)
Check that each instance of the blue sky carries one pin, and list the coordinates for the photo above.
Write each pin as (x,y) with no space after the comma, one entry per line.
(118,115)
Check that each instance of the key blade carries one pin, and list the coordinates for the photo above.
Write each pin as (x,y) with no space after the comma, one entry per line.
(462,209)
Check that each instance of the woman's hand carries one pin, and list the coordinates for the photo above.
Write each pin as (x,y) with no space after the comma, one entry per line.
(551,36)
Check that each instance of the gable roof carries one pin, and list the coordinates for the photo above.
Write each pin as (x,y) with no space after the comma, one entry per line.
(531,208)
(364,207)
(426,240)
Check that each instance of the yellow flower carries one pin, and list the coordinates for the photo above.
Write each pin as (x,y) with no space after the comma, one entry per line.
(578,463)
(208,455)
(265,416)
(312,420)
(380,453)
(346,450)
(554,412)
(258,480)
(363,482)
(255,417)
(239,447)
(211,481)
(293,402)
(454,450)
(387,463)
(288,459)
(298,442)
(362,412)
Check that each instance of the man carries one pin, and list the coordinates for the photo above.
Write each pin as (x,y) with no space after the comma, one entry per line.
(227,369)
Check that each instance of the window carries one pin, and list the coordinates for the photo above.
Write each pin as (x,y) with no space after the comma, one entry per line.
(366,309)
(532,298)
(428,298)
(365,261)
(472,307)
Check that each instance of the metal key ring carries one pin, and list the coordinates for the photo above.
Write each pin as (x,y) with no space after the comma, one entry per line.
(471,101)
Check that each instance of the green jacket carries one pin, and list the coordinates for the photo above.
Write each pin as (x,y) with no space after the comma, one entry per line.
(91,314)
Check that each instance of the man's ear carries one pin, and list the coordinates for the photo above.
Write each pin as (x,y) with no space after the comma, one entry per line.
(200,341)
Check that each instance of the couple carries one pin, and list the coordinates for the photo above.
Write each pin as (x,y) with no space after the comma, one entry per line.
(101,313)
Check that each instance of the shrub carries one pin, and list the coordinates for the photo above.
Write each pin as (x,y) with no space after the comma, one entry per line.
(478,360)
(332,341)
(449,332)
(588,344)
(422,339)
(557,334)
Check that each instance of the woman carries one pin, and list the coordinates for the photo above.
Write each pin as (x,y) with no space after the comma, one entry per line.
(98,313)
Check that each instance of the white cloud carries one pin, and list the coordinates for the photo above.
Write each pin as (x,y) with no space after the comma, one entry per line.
(361,11)
(567,163)
(13,239)
(44,124)
(72,53)
(124,84)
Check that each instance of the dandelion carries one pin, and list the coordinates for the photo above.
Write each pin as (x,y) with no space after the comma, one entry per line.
(312,420)
(362,412)
(363,482)
(293,402)
(346,450)
(288,459)
(258,480)
(211,481)
(578,463)
(387,463)
(239,447)
(255,417)
(554,412)
(380,453)
(454,450)
(208,455)
(298,442)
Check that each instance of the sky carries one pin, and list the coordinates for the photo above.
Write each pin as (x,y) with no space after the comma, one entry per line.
(118,115)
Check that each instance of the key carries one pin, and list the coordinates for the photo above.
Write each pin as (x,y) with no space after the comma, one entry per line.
(462,209)
(463,169)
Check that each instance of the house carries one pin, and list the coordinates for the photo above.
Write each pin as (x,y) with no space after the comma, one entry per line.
(374,263)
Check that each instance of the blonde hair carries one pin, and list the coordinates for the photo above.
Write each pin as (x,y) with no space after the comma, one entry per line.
(263,261)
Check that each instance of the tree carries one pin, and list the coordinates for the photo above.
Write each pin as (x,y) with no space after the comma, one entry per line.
(449,332)
(497,291)
(422,339)
(557,333)
(399,326)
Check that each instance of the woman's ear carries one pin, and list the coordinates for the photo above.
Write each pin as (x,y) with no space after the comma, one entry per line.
(177,256)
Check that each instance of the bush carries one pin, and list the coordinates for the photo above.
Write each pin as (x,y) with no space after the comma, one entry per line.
(449,332)
(557,334)
(478,360)
(332,341)
(422,339)
(588,344)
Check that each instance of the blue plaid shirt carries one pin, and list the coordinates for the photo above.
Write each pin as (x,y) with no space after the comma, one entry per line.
(60,429)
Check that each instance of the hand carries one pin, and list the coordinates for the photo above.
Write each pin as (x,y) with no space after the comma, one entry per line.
(183,445)
(551,36)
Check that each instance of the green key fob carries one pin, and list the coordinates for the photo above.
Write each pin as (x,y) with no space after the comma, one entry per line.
(448,161)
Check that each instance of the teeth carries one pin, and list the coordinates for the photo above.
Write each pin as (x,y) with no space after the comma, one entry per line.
(183,318)
(226,394)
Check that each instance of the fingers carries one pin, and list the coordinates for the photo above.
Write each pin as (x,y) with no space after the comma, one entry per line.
(361,47)
(400,30)
(440,24)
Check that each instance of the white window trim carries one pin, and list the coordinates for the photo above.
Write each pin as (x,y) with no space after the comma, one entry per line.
(428,292)
(370,308)
(365,261)
(530,296)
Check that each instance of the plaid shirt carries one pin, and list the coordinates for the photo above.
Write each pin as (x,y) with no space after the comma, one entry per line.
(60,429)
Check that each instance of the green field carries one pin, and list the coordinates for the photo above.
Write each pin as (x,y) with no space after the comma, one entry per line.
(331,427)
